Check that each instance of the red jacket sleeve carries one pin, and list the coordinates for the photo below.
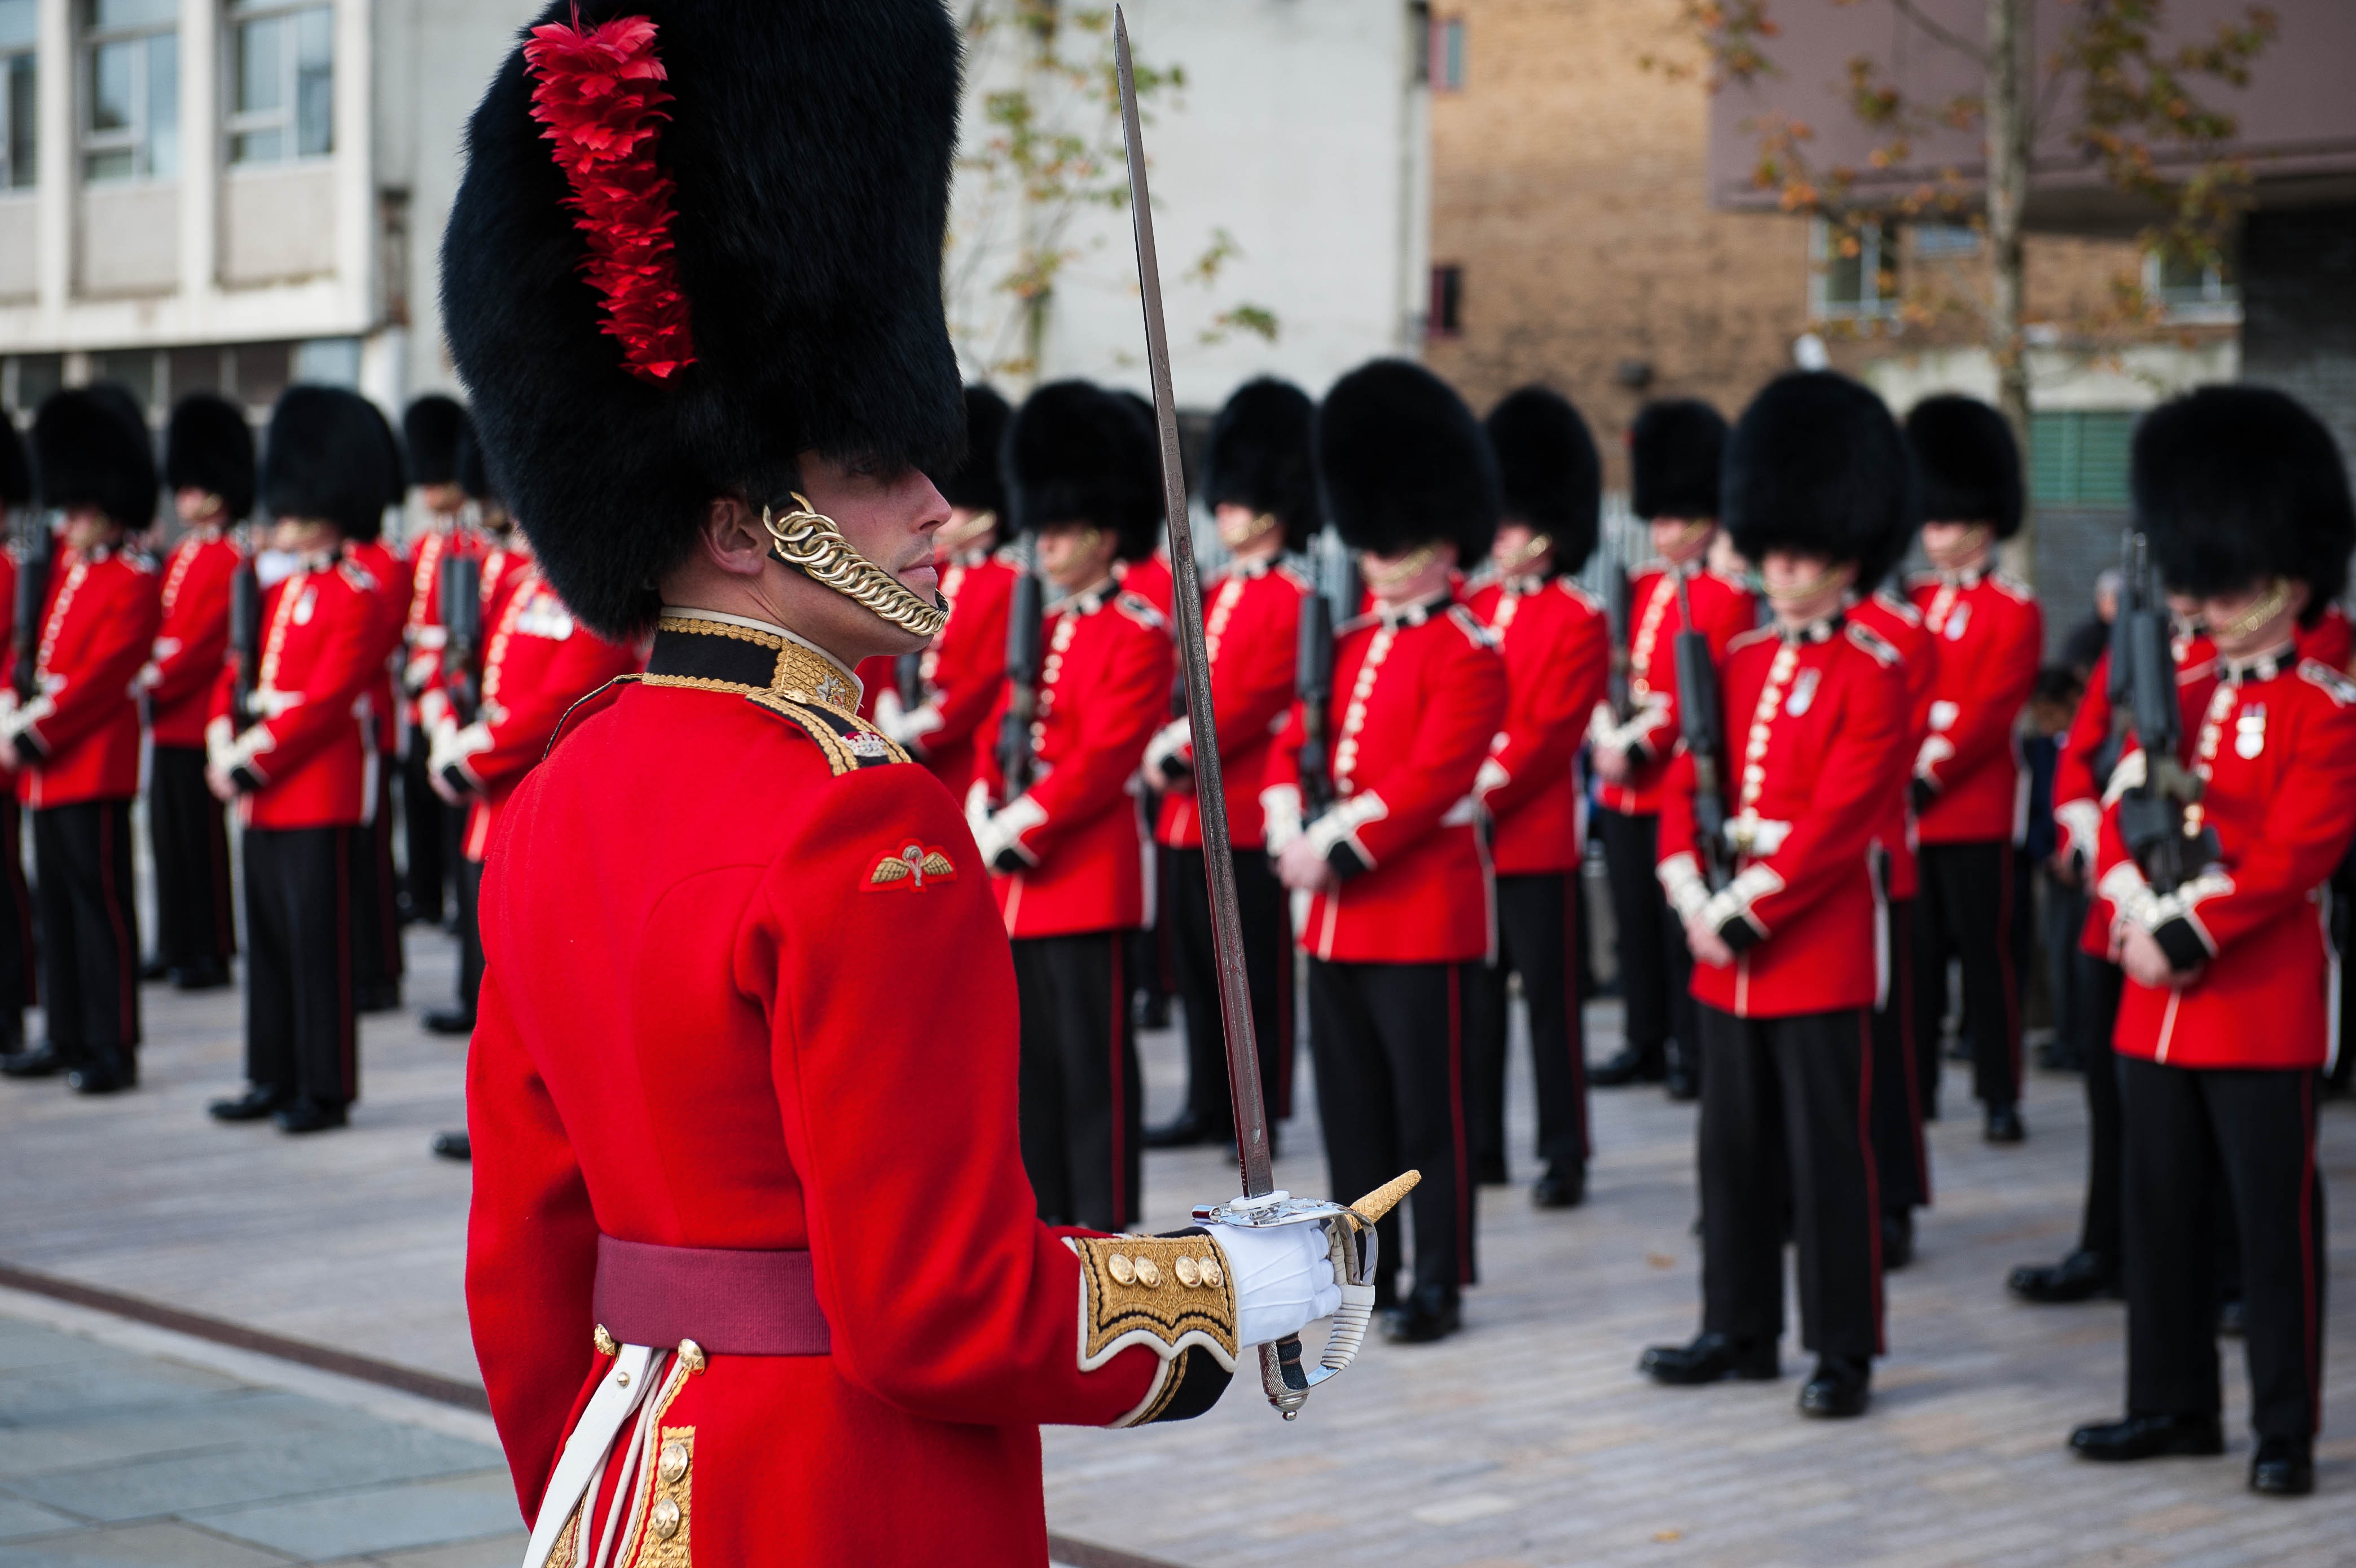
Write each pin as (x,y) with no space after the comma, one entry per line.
(519,736)
(1463,705)
(1543,730)
(1991,704)
(1118,719)
(345,666)
(2077,793)
(89,697)
(203,614)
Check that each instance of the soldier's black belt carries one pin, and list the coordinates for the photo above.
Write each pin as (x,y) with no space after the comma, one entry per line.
(730,1301)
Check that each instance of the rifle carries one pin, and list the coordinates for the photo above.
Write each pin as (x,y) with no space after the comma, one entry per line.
(1313,681)
(2116,684)
(1705,738)
(2151,813)
(1025,651)
(908,675)
(244,643)
(1616,606)
(35,552)
(460,603)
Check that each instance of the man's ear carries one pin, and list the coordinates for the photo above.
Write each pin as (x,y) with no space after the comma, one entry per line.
(734,538)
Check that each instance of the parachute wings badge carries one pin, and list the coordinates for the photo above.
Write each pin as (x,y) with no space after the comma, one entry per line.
(909,867)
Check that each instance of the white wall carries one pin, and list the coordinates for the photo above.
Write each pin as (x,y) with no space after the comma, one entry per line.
(1299,133)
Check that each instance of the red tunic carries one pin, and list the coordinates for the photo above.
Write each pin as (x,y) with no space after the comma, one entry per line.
(1816,727)
(1723,609)
(1103,687)
(422,628)
(387,570)
(964,671)
(2276,743)
(2330,640)
(716,1039)
(307,758)
(1149,580)
(98,630)
(1990,637)
(1251,629)
(1901,626)
(1556,650)
(1420,692)
(192,643)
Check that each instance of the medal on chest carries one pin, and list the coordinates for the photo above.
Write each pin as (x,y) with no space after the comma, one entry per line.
(305,605)
(2250,732)
(1804,693)
(1957,619)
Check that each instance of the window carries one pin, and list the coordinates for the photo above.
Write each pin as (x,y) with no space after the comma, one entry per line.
(2192,290)
(1855,270)
(1944,241)
(1446,318)
(131,89)
(2079,456)
(282,64)
(19,93)
(1447,70)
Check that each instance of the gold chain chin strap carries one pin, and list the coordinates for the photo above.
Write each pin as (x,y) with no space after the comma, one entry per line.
(811,544)
(1539,543)
(2257,615)
(1814,586)
(1406,566)
(1243,534)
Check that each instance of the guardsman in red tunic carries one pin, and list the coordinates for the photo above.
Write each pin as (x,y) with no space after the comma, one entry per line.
(19,962)
(1399,897)
(960,676)
(378,962)
(1673,452)
(1900,1153)
(293,752)
(1970,795)
(2098,737)
(738,944)
(209,468)
(1784,912)
(2230,973)
(432,430)
(1068,848)
(1556,650)
(75,745)
(1261,482)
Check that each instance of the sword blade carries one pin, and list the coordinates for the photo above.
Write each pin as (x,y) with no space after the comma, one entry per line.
(1218,859)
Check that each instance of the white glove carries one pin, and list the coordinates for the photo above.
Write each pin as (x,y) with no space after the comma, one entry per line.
(1283,1276)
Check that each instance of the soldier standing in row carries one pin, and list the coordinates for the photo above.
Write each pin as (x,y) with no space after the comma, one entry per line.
(1065,844)
(1555,648)
(291,751)
(961,674)
(75,745)
(432,430)
(1780,906)
(1259,479)
(782,951)
(208,468)
(378,962)
(1399,910)
(2225,1014)
(1673,452)
(1968,798)
(18,962)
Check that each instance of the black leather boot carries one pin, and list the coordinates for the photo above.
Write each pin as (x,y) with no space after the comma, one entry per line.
(2149,1438)
(1630,1066)
(2283,1467)
(1841,1388)
(1431,1314)
(1562,1186)
(1711,1359)
(257,1103)
(2078,1277)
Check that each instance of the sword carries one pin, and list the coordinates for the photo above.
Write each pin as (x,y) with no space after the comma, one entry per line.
(1283,1374)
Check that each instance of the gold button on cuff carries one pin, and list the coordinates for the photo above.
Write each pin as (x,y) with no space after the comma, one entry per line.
(1121,1269)
(1148,1272)
(672,1465)
(663,1519)
(604,1342)
(1189,1272)
(1211,1274)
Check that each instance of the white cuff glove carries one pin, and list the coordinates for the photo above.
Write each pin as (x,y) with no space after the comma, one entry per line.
(1283,1276)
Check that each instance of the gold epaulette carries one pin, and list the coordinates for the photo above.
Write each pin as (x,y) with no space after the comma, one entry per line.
(847,741)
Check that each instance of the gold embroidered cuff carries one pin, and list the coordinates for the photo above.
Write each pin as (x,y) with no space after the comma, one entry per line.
(1169,1292)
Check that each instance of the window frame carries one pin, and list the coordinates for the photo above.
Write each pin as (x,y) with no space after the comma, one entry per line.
(2218,300)
(286,119)
(1444,301)
(1881,244)
(139,138)
(1446,68)
(9,184)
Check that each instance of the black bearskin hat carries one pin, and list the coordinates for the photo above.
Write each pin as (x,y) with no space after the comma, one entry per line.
(324,458)
(209,447)
(1966,462)
(976,483)
(2234,485)
(1402,462)
(1674,450)
(475,471)
(1078,453)
(1817,465)
(91,449)
(1548,469)
(432,430)
(16,468)
(798,168)
(1259,457)
(397,480)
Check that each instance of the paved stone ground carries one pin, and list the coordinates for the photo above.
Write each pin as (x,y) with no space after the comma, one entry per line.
(1527,1440)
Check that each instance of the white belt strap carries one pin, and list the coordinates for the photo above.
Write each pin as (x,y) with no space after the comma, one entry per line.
(625,1386)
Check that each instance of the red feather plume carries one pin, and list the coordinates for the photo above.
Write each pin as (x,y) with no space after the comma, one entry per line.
(599,92)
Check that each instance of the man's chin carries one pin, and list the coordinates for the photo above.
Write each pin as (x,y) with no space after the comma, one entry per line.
(924,581)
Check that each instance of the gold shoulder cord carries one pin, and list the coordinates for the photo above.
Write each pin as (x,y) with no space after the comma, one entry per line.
(810,542)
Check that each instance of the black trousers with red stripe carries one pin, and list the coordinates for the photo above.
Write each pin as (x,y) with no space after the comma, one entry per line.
(2101,983)
(1964,911)
(2192,1133)
(188,829)
(1787,1104)
(301,1033)
(1538,936)
(377,961)
(1901,1158)
(89,932)
(425,827)
(1388,1041)
(1081,1099)
(1268,964)
(20,964)
(1655,968)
